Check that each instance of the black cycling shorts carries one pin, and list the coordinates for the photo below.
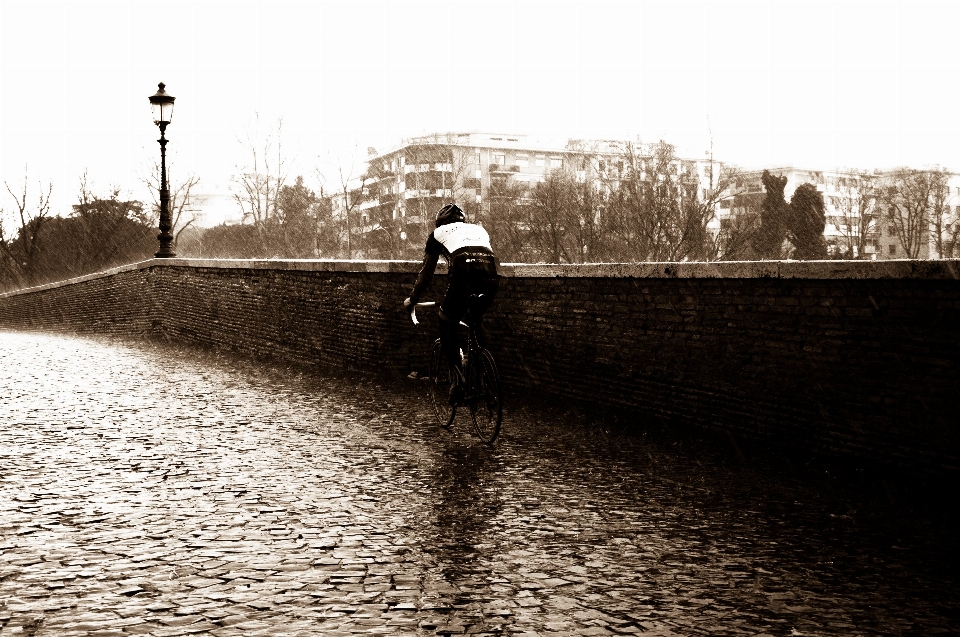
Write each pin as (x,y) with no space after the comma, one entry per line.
(462,285)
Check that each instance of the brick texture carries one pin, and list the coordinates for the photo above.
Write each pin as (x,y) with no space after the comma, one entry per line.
(850,360)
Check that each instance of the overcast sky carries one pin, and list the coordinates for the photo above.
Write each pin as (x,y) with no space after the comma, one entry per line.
(814,84)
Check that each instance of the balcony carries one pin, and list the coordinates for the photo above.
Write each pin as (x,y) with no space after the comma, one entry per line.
(499,168)
(423,168)
(413,193)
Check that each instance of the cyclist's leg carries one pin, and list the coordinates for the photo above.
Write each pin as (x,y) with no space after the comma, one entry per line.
(488,287)
(452,309)
(448,340)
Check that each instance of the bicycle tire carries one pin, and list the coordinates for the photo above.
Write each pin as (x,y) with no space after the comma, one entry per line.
(440,378)
(486,401)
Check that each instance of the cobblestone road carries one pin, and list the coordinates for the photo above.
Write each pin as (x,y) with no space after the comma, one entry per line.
(150,491)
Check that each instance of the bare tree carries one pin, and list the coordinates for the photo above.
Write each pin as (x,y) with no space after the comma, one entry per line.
(260,180)
(703,198)
(952,231)
(565,218)
(660,209)
(551,219)
(20,251)
(347,188)
(734,241)
(181,202)
(940,219)
(586,218)
(908,195)
(508,222)
(857,205)
(384,231)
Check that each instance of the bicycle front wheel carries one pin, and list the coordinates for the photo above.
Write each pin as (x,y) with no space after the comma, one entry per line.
(486,404)
(441,378)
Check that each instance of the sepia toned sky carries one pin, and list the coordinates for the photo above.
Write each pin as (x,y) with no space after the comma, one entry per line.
(815,84)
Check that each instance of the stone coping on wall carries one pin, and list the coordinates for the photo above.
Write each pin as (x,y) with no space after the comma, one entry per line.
(939,269)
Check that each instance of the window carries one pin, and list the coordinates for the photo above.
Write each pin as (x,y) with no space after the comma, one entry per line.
(556,162)
(893,249)
(499,159)
(892,229)
(541,161)
(522,161)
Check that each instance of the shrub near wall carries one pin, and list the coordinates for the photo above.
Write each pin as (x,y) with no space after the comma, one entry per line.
(841,357)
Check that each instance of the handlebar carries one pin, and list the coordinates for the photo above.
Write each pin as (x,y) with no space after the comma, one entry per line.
(413,314)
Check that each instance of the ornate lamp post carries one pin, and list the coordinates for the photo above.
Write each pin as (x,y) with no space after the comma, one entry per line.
(162,106)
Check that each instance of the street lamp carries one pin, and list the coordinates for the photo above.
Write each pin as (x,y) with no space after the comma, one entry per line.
(162,106)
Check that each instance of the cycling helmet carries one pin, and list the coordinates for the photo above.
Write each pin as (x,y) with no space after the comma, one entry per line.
(451,213)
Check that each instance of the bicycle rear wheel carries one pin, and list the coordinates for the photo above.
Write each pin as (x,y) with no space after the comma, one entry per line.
(441,377)
(486,404)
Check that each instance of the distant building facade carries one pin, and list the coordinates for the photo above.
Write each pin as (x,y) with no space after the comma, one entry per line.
(396,200)
(859,221)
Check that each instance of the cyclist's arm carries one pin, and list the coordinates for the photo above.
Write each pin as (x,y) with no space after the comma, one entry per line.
(425,276)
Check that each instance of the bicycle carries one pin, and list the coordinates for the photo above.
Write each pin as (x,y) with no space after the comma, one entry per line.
(480,383)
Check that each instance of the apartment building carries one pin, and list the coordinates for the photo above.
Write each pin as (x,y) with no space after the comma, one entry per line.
(856,217)
(404,187)
(417,177)
(841,191)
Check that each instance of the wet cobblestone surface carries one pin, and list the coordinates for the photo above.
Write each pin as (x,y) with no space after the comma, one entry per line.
(150,491)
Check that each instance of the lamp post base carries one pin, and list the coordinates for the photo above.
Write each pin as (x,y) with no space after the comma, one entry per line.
(166,244)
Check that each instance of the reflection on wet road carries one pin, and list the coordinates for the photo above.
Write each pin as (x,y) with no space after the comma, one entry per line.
(145,490)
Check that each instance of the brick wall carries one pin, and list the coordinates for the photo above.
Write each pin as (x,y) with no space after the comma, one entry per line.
(849,358)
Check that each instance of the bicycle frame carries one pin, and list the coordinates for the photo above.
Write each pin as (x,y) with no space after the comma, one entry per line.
(480,381)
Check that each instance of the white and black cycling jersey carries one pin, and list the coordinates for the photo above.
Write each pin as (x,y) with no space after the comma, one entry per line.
(449,239)
(466,249)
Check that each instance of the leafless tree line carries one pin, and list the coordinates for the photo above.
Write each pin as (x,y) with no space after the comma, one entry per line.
(625,206)
(99,231)
(912,204)
(634,204)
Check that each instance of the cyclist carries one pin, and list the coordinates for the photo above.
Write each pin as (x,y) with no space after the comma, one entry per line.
(472,269)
